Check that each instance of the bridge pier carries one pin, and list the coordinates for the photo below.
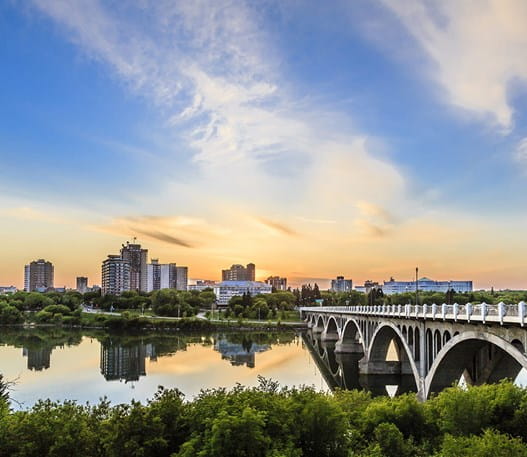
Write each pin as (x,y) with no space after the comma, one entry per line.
(329,336)
(384,367)
(347,346)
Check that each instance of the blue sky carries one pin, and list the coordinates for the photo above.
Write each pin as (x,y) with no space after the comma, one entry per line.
(356,138)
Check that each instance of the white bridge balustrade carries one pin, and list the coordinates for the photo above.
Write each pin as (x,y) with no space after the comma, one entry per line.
(435,344)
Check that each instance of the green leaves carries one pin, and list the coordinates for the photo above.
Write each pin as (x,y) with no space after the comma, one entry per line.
(269,421)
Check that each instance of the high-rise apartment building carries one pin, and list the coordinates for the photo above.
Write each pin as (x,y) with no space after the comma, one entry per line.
(136,257)
(239,273)
(277,283)
(160,276)
(115,275)
(82,284)
(181,278)
(341,285)
(38,276)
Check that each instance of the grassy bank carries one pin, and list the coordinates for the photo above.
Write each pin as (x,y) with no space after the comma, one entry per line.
(134,321)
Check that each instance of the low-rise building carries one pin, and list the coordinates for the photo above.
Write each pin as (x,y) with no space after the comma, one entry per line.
(225,290)
(368,285)
(341,285)
(277,283)
(5,290)
(426,285)
(202,284)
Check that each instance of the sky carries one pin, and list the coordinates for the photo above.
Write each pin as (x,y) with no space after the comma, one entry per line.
(312,138)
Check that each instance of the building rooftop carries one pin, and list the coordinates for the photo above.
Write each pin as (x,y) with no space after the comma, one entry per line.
(241,284)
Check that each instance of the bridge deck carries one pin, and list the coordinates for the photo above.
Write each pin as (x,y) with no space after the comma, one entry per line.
(481,313)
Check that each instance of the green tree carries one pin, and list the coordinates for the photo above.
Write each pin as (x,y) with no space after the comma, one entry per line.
(490,444)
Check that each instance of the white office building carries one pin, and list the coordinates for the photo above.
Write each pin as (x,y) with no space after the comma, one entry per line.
(225,290)
(425,285)
(160,276)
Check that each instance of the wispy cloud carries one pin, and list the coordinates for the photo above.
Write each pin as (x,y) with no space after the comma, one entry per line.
(181,231)
(277,226)
(316,221)
(373,220)
(520,153)
(478,49)
(165,237)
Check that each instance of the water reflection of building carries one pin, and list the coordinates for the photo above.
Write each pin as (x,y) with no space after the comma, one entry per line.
(239,353)
(37,359)
(119,362)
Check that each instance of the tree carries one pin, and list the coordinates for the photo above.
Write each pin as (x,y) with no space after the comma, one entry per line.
(490,444)
(4,393)
(316,292)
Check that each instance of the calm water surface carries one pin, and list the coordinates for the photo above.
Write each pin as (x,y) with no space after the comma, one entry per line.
(86,366)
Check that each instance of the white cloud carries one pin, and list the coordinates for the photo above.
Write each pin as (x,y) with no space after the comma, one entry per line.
(478,47)
(212,68)
(520,152)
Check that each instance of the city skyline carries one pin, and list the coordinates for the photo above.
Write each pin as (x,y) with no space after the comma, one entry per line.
(150,262)
(360,139)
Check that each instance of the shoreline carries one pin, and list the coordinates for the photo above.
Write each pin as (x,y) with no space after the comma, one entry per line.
(181,325)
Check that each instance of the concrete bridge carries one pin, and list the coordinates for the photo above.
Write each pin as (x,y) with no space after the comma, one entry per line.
(426,348)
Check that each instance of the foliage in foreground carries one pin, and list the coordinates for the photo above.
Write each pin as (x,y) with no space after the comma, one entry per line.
(271,422)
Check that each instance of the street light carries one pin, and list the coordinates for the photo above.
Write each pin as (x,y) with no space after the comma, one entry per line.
(416,286)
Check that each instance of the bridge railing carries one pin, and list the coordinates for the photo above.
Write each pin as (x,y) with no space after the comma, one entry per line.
(481,312)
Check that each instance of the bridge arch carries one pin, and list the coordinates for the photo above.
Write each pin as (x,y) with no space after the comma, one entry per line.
(331,330)
(331,326)
(462,351)
(352,337)
(382,337)
(319,323)
(417,345)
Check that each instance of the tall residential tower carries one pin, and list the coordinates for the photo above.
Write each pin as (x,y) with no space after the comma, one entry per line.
(136,257)
(38,276)
(115,275)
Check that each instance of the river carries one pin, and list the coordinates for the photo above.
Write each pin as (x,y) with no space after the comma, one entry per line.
(85,366)
(60,364)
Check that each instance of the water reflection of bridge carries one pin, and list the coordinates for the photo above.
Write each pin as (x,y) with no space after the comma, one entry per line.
(342,370)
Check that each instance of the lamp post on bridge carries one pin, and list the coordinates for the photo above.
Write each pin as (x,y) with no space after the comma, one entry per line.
(416,286)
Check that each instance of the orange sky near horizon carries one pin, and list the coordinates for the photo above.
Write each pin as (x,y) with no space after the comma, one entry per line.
(301,251)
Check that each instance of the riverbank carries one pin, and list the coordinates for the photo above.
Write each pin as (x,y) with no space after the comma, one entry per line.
(127,321)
